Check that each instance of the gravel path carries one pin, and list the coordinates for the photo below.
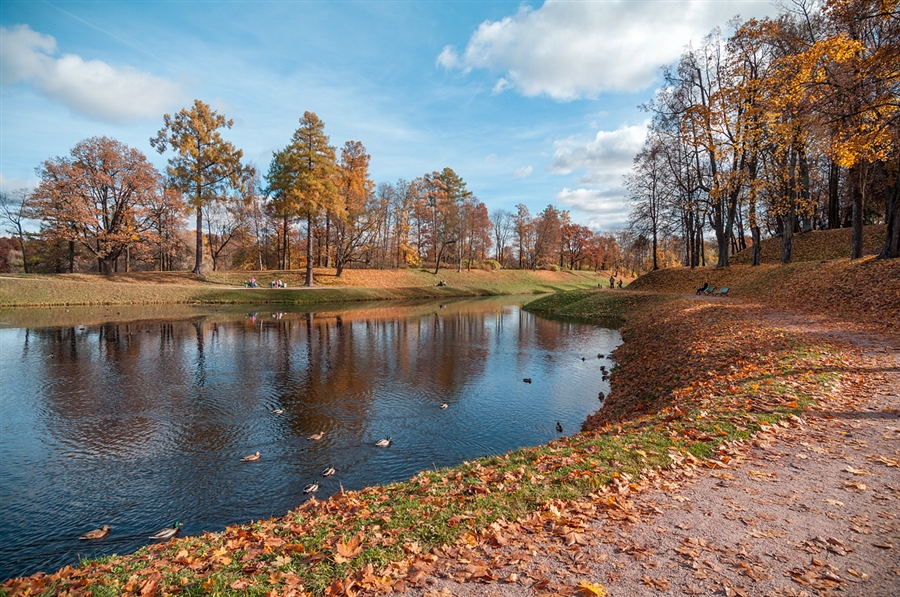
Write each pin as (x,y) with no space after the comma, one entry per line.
(811,507)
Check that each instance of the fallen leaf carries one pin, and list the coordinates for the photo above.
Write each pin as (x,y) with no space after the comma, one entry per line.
(660,584)
(591,590)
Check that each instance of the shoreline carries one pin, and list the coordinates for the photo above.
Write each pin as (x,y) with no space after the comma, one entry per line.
(695,377)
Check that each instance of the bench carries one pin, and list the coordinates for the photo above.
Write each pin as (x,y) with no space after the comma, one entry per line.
(721,291)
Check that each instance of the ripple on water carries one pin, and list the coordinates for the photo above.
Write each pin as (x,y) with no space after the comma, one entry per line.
(143,431)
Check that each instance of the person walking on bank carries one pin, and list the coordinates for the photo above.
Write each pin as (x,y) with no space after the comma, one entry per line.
(612,282)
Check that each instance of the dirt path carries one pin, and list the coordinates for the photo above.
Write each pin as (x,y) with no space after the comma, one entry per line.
(808,508)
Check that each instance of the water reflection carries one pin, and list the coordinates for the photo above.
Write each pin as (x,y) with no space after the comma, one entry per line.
(140,422)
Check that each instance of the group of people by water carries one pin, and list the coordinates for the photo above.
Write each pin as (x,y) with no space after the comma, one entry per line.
(252,283)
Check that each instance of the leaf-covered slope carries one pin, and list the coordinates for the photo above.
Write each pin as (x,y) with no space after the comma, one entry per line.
(816,245)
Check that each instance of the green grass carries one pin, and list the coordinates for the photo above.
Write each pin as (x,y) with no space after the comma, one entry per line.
(227,287)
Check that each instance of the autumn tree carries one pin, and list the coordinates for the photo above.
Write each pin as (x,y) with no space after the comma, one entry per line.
(204,163)
(444,194)
(102,187)
(353,217)
(301,181)
(165,213)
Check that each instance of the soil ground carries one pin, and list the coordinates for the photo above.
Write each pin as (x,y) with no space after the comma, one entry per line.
(809,508)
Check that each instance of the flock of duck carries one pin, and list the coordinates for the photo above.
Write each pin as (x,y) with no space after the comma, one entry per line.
(162,534)
(169,532)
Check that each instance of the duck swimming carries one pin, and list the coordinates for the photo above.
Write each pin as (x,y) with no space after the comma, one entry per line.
(384,443)
(250,458)
(444,405)
(96,533)
(559,427)
(328,472)
(278,411)
(316,436)
(167,533)
(311,488)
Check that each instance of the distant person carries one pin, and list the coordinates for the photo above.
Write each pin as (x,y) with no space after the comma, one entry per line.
(703,288)
(620,282)
(612,282)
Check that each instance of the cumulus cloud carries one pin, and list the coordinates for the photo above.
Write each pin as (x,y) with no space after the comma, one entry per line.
(570,50)
(524,171)
(603,159)
(603,209)
(92,88)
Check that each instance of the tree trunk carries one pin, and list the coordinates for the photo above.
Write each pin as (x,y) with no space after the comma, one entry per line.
(198,254)
(891,248)
(22,242)
(857,184)
(309,249)
(834,199)
(787,234)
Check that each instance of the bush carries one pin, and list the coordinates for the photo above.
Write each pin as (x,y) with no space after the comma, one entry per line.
(552,267)
(491,264)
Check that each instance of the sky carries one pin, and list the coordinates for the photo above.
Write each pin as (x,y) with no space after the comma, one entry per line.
(529,102)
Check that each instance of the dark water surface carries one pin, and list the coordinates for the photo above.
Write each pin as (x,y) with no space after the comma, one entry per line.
(117,416)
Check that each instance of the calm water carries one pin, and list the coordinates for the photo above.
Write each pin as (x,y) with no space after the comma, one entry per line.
(115,416)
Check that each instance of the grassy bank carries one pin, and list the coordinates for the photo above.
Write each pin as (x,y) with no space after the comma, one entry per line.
(227,287)
(692,376)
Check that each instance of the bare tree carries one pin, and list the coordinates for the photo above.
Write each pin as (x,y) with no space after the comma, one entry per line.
(15,209)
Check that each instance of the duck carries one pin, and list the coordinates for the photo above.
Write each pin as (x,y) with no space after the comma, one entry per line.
(250,458)
(316,436)
(311,488)
(600,356)
(601,396)
(384,443)
(328,472)
(444,405)
(278,411)
(167,533)
(96,533)
(559,427)
(527,380)
(582,358)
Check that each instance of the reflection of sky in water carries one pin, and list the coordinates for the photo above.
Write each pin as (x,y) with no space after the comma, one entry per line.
(143,423)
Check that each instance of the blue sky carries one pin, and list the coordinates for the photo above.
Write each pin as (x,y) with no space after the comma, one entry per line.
(529,102)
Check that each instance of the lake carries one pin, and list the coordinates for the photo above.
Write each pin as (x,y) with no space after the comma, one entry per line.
(137,417)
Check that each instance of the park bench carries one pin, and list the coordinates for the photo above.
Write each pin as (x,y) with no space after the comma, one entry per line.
(709,290)
(721,291)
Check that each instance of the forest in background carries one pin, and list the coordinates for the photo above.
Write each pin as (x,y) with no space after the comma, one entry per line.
(786,126)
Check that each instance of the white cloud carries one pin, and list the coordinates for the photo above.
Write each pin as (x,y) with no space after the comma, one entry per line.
(602,209)
(570,50)
(12,184)
(604,159)
(92,88)
(524,171)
